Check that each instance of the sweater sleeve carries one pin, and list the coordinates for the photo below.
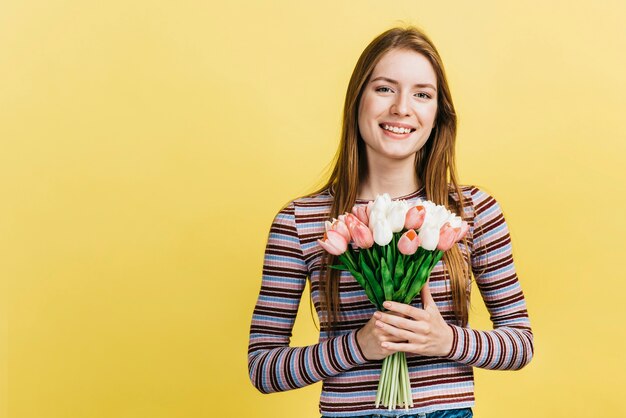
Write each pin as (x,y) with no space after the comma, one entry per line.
(272,364)
(509,346)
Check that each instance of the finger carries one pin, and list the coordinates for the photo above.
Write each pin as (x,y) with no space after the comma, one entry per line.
(391,338)
(399,334)
(427,298)
(406,347)
(401,322)
(408,310)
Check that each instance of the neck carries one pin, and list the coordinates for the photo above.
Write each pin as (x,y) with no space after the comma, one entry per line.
(395,177)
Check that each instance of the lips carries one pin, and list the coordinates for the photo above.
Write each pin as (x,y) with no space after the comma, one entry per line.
(399,133)
(397,124)
(399,129)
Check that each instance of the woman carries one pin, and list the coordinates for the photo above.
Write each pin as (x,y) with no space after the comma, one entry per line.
(398,137)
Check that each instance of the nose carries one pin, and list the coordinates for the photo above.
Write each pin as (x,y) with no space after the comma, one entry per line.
(400,105)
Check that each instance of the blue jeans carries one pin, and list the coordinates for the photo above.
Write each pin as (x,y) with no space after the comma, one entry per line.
(449,413)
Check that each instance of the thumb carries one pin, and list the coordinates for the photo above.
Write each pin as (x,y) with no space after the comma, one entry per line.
(427,298)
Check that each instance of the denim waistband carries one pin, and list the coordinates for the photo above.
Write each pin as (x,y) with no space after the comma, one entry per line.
(448,413)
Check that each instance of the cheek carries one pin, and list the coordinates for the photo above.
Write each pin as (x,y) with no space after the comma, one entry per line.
(370,107)
(365,115)
(429,113)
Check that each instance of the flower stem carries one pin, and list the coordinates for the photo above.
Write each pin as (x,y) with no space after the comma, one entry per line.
(394,382)
(381,383)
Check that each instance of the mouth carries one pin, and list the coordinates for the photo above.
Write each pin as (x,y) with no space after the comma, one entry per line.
(396,131)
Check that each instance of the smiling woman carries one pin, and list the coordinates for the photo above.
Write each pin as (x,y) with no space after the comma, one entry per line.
(398,137)
(399,103)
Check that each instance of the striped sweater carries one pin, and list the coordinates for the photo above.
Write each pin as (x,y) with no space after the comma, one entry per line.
(349,380)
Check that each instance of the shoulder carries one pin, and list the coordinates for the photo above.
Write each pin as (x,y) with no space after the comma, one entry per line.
(307,207)
(477,197)
(319,198)
(319,201)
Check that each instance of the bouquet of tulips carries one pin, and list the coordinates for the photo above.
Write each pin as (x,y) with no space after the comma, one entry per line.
(395,247)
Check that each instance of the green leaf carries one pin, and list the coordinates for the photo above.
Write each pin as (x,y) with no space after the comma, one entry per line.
(406,282)
(374,262)
(347,258)
(419,280)
(377,250)
(389,258)
(368,289)
(367,271)
(372,296)
(371,280)
(436,258)
(387,280)
(398,272)
(339,267)
(378,292)
(359,278)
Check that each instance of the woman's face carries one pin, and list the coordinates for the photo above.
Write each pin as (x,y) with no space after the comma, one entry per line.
(398,106)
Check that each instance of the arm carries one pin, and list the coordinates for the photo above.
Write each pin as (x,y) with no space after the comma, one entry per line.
(509,346)
(272,364)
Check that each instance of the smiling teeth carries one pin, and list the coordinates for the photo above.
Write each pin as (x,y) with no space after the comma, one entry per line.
(396,130)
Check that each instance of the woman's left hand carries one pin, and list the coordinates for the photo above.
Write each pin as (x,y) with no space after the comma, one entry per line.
(424,330)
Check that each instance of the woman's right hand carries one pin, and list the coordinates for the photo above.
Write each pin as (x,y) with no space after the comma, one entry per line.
(370,337)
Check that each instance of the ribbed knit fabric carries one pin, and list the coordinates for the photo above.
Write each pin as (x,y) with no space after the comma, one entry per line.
(350,381)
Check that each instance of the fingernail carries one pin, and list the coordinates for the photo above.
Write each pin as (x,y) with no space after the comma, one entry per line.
(387,305)
(377,315)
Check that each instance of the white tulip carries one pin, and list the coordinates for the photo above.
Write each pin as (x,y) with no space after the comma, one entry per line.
(381,203)
(396,215)
(378,209)
(374,217)
(382,231)
(429,237)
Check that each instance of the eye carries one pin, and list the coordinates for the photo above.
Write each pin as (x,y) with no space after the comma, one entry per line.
(383,89)
(422,95)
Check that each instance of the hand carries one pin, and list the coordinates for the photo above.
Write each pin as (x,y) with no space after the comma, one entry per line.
(423,331)
(370,338)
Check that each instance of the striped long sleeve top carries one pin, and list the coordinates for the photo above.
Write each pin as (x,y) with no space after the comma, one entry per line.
(349,380)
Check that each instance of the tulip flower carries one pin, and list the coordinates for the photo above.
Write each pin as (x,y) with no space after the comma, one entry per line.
(361,213)
(334,242)
(387,274)
(382,231)
(338,225)
(436,215)
(381,204)
(360,233)
(408,242)
(396,214)
(447,237)
(429,237)
(415,217)
(463,232)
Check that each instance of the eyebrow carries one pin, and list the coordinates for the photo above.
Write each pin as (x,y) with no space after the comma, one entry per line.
(389,80)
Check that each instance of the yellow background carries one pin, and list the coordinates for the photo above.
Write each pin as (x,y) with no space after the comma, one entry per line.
(146,147)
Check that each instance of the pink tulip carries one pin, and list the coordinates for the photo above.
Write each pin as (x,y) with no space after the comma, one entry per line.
(334,242)
(408,242)
(447,237)
(360,233)
(361,213)
(463,232)
(415,217)
(350,219)
(339,225)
